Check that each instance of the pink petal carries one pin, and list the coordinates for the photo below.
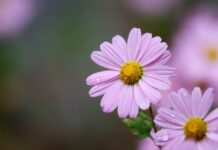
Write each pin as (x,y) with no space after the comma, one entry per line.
(179,105)
(161,122)
(120,47)
(110,100)
(196,97)
(172,145)
(208,143)
(125,102)
(141,100)
(185,97)
(171,116)
(154,53)
(134,110)
(165,136)
(146,38)
(133,43)
(212,121)
(163,59)
(150,92)
(100,59)
(206,102)
(160,70)
(100,89)
(109,51)
(156,82)
(102,77)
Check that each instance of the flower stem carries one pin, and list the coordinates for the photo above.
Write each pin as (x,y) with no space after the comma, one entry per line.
(152,118)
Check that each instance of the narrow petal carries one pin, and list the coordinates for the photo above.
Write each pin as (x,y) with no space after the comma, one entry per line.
(134,110)
(109,101)
(206,102)
(171,116)
(196,97)
(155,82)
(165,136)
(146,38)
(100,89)
(212,121)
(163,59)
(172,145)
(133,43)
(154,53)
(120,47)
(125,102)
(179,105)
(160,70)
(206,144)
(100,59)
(102,77)
(153,94)
(161,122)
(109,51)
(141,100)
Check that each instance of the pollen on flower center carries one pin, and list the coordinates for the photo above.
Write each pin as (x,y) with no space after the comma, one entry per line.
(195,128)
(212,54)
(131,73)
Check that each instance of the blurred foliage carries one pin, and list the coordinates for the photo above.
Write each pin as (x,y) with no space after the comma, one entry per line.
(141,125)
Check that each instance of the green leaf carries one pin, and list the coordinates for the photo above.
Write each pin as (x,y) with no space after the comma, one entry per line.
(141,125)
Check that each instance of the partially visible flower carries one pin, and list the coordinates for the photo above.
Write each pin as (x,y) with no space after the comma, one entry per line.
(14,16)
(196,49)
(136,73)
(152,7)
(147,144)
(188,123)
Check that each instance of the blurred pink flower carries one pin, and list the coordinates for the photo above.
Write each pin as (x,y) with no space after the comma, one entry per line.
(152,7)
(196,49)
(14,16)
(136,73)
(188,125)
(147,144)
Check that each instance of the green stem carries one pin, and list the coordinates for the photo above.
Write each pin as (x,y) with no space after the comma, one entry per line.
(152,118)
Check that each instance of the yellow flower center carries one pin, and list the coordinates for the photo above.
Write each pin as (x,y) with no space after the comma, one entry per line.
(212,54)
(195,128)
(131,73)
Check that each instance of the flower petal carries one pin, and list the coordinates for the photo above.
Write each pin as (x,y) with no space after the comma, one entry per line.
(100,89)
(212,121)
(196,97)
(102,77)
(100,59)
(206,102)
(109,51)
(160,70)
(146,38)
(125,102)
(120,47)
(153,94)
(141,100)
(134,110)
(133,43)
(154,53)
(110,100)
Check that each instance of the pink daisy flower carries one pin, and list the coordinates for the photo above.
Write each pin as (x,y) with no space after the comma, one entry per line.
(135,73)
(187,124)
(200,50)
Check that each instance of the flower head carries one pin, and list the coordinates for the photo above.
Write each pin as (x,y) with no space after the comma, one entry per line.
(135,73)
(196,44)
(187,124)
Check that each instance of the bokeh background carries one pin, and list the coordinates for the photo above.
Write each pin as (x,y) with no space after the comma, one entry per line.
(45,52)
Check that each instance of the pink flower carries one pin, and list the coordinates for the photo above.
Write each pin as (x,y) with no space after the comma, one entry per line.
(14,16)
(187,124)
(196,49)
(135,73)
(147,144)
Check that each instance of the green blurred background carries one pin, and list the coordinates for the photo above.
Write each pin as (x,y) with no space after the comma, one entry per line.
(44,102)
